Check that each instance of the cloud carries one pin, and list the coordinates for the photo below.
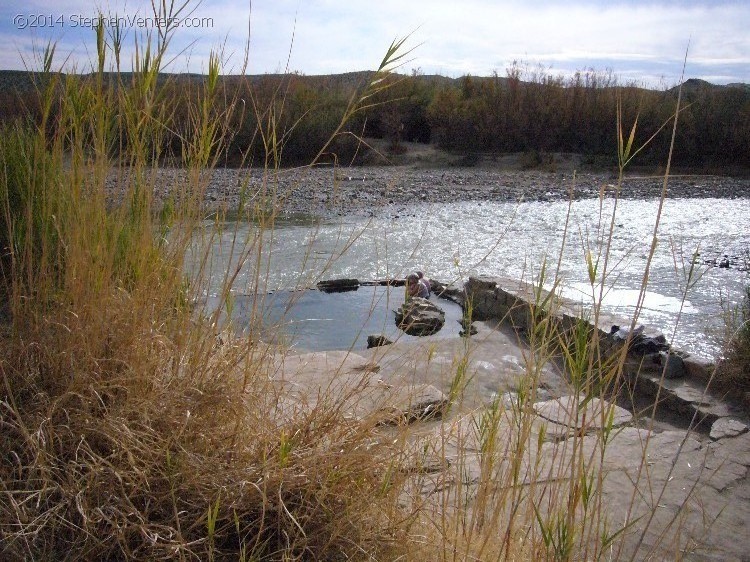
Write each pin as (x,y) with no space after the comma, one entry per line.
(475,36)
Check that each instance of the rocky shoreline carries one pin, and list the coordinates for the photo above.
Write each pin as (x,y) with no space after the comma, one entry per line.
(391,190)
(689,465)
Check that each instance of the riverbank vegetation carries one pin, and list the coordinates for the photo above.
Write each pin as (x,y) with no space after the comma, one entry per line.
(733,373)
(526,110)
(130,431)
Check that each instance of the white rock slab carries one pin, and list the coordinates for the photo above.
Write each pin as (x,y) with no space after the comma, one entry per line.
(727,427)
(594,415)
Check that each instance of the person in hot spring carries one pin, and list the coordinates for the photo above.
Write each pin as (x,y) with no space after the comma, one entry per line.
(416,286)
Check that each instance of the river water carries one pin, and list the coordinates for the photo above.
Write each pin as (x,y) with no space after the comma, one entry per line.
(519,240)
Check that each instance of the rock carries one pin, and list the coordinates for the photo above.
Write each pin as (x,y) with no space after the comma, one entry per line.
(481,283)
(469,329)
(699,368)
(640,343)
(439,288)
(420,317)
(562,411)
(465,322)
(416,403)
(622,334)
(338,285)
(672,364)
(509,399)
(377,341)
(450,292)
(727,427)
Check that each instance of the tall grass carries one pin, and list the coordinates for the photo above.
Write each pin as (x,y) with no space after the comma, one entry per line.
(130,432)
(127,433)
(733,372)
(514,490)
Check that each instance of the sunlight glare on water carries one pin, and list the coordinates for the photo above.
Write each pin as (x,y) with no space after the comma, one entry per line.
(452,242)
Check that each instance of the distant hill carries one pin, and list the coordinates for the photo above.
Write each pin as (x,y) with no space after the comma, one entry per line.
(16,80)
(696,85)
(21,80)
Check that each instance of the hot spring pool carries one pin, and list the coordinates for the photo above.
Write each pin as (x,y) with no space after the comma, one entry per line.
(313,320)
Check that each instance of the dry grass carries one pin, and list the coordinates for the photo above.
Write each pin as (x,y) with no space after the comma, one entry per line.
(128,433)
(733,372)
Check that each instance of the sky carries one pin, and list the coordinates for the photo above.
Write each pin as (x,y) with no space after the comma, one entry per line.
(640,41)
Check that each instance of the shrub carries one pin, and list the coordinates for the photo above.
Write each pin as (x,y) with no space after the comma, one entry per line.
(733,372)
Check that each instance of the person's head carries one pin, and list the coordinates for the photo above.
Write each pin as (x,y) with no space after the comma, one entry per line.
(419,274)
(412,278)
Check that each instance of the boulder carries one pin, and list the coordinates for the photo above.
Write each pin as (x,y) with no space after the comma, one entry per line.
(698,368)
(469,329)
(673,365)
(420,317)
(481,283)
(377,341)
(439,288)
(639,341)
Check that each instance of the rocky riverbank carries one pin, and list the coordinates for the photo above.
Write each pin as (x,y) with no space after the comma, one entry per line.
(653,472)
(689,463)
(390,191)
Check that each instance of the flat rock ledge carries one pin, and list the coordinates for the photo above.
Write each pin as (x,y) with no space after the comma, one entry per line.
(727,427)
(581,414)
(677,379)
(420,402)
(704,483)
(350,383)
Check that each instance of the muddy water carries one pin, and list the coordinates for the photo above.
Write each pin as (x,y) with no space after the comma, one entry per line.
(451,242)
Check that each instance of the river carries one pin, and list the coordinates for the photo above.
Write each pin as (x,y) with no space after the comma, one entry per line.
(450,242)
